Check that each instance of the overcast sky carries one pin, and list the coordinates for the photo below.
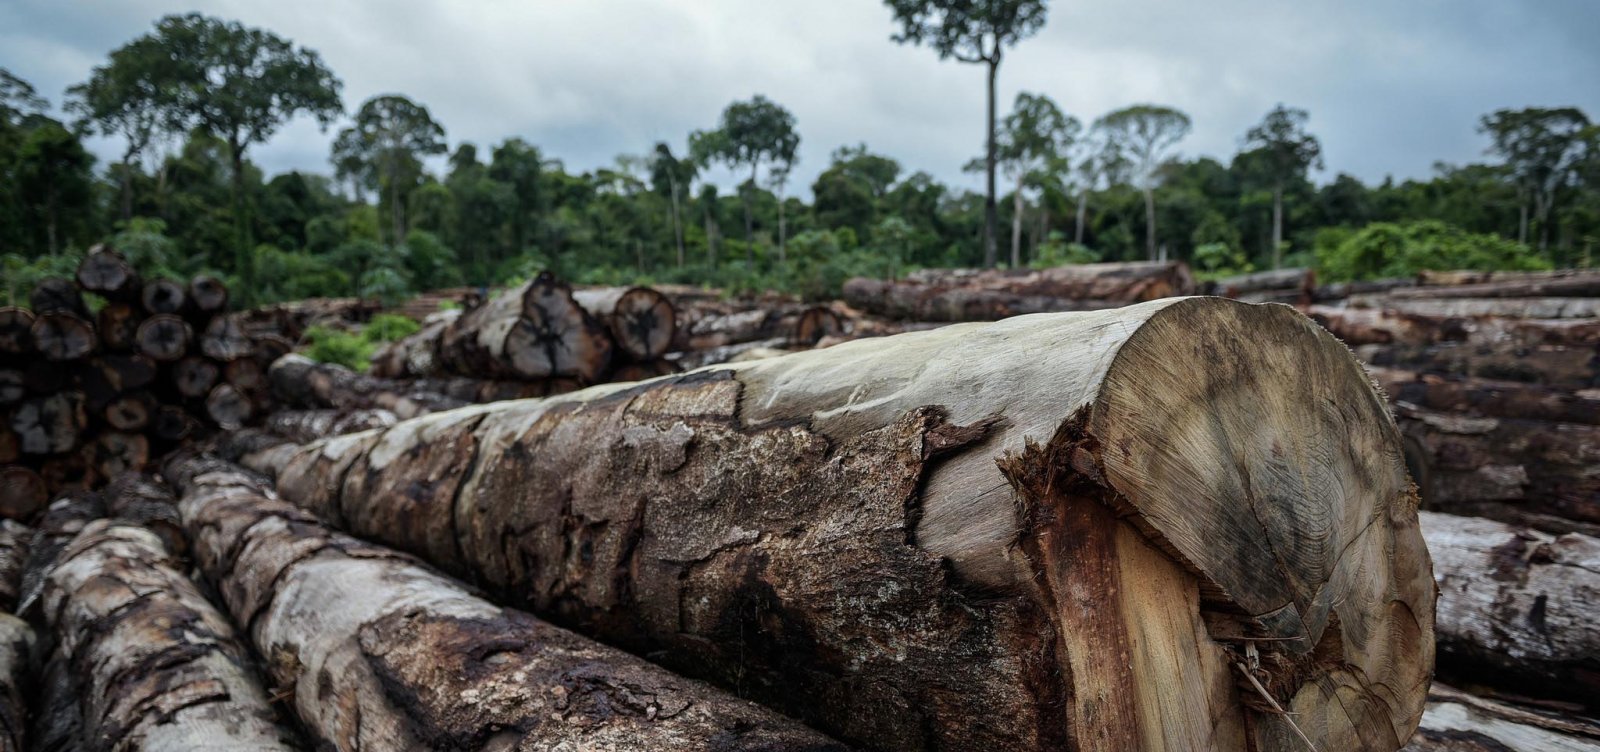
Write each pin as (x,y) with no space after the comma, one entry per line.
(1392,86)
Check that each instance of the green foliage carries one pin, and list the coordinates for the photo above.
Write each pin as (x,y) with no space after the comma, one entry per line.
(1056,251)
(20,274)
(145,244)
(388,327)
(328,345)
(1386,249)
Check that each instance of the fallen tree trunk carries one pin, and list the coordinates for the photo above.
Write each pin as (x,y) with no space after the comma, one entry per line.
(642,321)
(1544,468)
(17,644)
(163,296)
(1367,326)
(156,666)
(533,331)
(380,652)
(1294,286)
(301,426)
(417,353)
(1552,366)
(1516,607)
(57,295)
(1488,397)
(1568,283)
(22,492)
(63,336)
(812,529)
(1459,722)
(302,382)
(107,273)
(1520,308)
(14,540)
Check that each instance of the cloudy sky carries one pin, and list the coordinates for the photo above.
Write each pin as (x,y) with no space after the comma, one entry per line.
(1392,85)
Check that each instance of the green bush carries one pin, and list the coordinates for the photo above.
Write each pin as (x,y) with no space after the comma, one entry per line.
(1387,249)
(21,274)
(388,327)
(327,345)
(1056,251)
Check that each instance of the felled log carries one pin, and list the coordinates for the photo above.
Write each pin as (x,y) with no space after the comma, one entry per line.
(107,273)
(1456,721)
(173,424)
(709,331)
(163,296)
(66,516)
(50,425)
(376,651)
(145,501)
(642,321)
(13,386)
(130,412)
(990,294)
(638,372)
(225,339)
(63,336)
(1543,467)
(417,353)
(194,376)
(127,372)
(302,382)
(118,326)
(1551,365)
(1488,397)
(1516,607)
(208,294)
(163,337)
(73,471)
(16,331)
(22,492)
(57,295)
(1566,283)
(814,530)
(14,540)
(817,323)
(156,666)
(301,426)
(533,331)
(1272,286)
(17,644)
(1521,308)
(228,407)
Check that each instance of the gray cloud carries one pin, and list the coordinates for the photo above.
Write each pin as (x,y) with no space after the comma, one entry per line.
(1392,87)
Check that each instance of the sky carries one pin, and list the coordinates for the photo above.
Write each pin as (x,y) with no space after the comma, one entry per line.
(1392,86)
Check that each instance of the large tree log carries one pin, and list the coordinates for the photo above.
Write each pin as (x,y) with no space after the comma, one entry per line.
(228,407)
(1568,283)
(1488,397)
(164,337)
(642,321)
(987,294)
(1459,722)
(163,296)
(1543,468)
(156,666)
(533,331)
(1522,308)
(1516,607)
(16,331)
(118,326)
(1274,285)
(1063,531)
(1366,326)
(415,354)
(1553,366)
(208,294)
(17,644)
(63,336)
(225,339)
(66,516)
(14,540)
(302,382)
(145,501)
(380,652)
(107,273)
(302,426)
(50,425)
(22,492)
(194,376)
(57,295)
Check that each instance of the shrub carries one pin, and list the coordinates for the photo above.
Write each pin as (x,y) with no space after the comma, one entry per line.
(388,327)
(1387,249)
(327,345)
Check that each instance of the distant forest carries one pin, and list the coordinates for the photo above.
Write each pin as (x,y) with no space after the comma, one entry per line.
(190,98)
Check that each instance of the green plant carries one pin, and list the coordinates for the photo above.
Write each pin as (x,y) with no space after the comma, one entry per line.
(388,327)
(1387,249)
(1055,251)
(328,345)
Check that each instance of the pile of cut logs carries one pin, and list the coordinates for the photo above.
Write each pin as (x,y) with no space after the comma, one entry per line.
(86,395)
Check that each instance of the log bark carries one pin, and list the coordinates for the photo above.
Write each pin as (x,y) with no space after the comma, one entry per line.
(303,426)
(208,294)
(642,321)
(1459,722)
(989,294)
(66,516)
(163,296)
(1488,398)
(17,644)
(1554,366)
(106,272)
(16,331)
(225,339)
(128,372)
(118,326)
(377,651)
(57,295)
(1296,286)
(1567,283)
(131,412)
(63,336)
(1516,607)
(1540,467)
(143,500)
(228,407)
(156,665)
(174,424)
(246,375)
(302,382)
(50,425)
(73,471)
(22,492)
(817,529)
(117,452)
(14,541)
(417,353)
(533,331)
(164,337)
(1519,308)
(194,376)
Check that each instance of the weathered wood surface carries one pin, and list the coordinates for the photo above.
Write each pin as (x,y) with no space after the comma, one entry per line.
(1456,721)
(1375,326)
(642,321)
(1543,467)
(376,651)
(989,295)
(1522,308)
(18,641)
(1551,365)
(1516,607)
(15,539)
(1564,283)
(155,665)
(66,516)
(1489,397)
(302,382)
(302,426)
(1295,286)
(830,533)
(106,272)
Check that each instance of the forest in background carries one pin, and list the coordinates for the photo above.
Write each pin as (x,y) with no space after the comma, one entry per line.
(191,97)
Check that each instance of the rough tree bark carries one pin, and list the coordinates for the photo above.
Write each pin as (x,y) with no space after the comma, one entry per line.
(642,321)
(17,645)
(1567,283)
(377,651)
(988,295)
(1488,397)
(302,382)
(533,331)
(1519,308)
(155,665)
(1065,531)
(1555,366)
(15,538)
(1516,607)
(1459,722)
(1370,326)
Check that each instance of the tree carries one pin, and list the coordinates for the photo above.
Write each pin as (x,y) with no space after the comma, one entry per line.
(753,132)
(1099,158)
(1540,147)
(522,166)
(18,100)
(1145,133)
(54,176)
(1286,152)
(972,31)
(1034,135)
(669,177)
(132,97)
(241,84)
(390,137)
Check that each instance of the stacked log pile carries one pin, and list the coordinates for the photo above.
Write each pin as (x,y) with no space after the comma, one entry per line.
(909,545)
(85,396)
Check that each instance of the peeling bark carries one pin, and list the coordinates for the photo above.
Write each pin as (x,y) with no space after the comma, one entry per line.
(1372,326)
(302,382)
(17,643)
(15,539)
(988,294)
(829,532)
(1491,398)
(377,651)
(1459,722)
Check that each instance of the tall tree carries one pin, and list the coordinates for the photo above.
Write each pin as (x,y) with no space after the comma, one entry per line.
(1145,134)
(133,97)
(752,133)
(54,175)
(972,31)
(389,139)
(522,166)
(1286,152)
(670,177)
(1099,159)
(1540,146)
(1034,135)
(241,84)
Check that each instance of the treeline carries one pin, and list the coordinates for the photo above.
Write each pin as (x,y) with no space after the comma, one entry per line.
(189,99)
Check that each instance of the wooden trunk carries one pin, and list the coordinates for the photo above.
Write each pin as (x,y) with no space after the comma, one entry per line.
(164,337)
(225,339)
(1488,397)
(642,321)
(228,407)
(1553,366)
(533,331)
(1568,283)
(376,651)
(63,336)
(18,642)
(105,272)
(22,492)
(1519,308)
(302,382)
(15,538)
(1372,326)
(302,426)
(50,425)
(1516,607)
(67,515)
(1541,467)
(1297,286)
(118,326)
(1065,531)
(163,296)
(416,354)
(208,294)
(155,665)
(989,294)
(57,295)
(16,331)
(1459,722)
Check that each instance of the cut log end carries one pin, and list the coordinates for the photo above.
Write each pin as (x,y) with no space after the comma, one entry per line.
(22,492)
(228,407)
(225,339)
(164,337)
(209,294)
(63,336)
(106,272)
(163,296)
(16,331)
